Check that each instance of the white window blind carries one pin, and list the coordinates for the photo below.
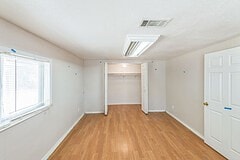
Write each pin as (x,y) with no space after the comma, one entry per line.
(25,86)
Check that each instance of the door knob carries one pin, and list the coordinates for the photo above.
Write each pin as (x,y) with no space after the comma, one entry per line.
(205,103)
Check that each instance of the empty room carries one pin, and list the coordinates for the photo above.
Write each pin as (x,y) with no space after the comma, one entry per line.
(119,80)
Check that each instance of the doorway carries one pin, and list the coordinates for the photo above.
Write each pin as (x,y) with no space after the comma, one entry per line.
(126,83)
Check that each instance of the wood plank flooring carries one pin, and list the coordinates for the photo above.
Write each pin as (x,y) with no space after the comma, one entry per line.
(128,134)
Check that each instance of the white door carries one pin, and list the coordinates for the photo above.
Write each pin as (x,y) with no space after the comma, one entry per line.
(222,93)
(106,88)
(144,87)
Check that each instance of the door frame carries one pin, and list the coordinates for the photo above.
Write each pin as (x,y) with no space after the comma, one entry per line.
(106,84)
(105,88)
(144,89)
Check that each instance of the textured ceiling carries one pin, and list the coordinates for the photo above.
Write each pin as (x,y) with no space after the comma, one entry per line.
(94,29)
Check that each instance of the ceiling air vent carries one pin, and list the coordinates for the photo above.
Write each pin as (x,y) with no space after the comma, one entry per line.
(155,23)
(135,45)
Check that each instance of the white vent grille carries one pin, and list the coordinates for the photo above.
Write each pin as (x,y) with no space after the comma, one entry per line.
(155,23)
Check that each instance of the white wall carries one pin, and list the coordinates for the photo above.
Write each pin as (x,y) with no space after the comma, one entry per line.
(157,86)
(94,85)
(32,139)
(124,89)
(185,84)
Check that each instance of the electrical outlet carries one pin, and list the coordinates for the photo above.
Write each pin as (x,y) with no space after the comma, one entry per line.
(173,107)
(78,109)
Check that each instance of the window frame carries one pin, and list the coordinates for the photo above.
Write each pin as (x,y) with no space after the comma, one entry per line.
(28,112)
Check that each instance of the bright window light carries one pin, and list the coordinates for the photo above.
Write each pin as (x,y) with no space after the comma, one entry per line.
(25,86)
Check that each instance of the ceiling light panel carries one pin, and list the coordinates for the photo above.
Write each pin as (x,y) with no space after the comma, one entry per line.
(136,45)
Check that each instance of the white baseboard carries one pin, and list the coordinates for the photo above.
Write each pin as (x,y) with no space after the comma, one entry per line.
(156,110)
(194,131)
(95,112)
(54,147)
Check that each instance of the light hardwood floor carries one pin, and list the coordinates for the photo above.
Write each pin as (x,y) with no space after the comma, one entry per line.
(128,134)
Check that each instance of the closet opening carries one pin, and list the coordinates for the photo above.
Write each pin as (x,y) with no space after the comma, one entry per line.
(126,84)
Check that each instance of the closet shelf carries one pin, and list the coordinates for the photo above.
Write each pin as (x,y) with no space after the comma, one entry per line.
(124,74)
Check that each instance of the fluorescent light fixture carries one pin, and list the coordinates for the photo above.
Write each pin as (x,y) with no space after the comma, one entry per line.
(135,45)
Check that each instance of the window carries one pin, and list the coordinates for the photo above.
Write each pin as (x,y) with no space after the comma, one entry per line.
(25,86)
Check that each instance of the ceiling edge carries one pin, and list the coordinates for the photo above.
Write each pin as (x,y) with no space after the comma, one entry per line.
(40,37)
(205,47)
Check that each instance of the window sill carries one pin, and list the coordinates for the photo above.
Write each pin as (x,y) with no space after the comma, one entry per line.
(6,125)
